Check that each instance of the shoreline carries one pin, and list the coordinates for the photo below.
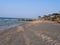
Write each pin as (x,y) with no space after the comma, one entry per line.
(20,25)
(30,32)
(10,26)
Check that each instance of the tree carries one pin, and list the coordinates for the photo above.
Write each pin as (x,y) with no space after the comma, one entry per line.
(39,16)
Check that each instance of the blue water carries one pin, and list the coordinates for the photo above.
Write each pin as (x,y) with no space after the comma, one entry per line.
(4,23)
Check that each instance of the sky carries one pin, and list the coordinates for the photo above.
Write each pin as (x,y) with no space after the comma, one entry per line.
(28,8)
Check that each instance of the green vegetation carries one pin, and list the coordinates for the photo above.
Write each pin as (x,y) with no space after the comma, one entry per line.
(52,17)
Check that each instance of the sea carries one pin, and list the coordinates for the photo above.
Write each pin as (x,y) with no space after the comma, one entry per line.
(8,23)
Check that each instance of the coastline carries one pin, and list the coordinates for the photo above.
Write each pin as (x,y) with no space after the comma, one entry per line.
(30,32)
(16,25)
(26,24)
(7,28)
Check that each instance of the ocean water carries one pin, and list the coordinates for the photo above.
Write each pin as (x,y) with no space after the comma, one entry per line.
(4,23)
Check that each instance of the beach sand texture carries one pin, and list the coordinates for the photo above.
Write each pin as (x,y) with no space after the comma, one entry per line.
(32,33)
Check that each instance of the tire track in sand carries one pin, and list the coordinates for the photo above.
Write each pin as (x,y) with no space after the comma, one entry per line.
(46,38)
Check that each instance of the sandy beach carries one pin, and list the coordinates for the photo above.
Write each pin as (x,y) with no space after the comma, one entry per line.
(32,33)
